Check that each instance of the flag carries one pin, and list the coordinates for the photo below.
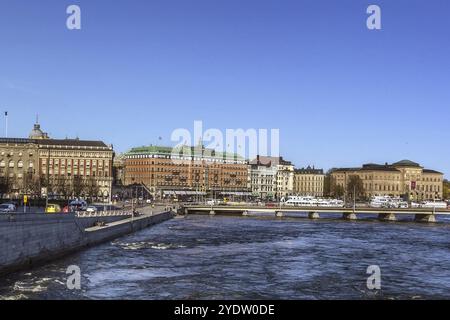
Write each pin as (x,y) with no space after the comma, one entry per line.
(6,113)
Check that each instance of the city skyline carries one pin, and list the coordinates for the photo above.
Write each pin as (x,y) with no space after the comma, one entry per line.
(330,92)
(220,158)
(250,160)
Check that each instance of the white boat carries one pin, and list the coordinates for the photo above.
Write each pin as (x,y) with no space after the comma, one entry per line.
(434,204)
(302,201)
(380,202)
(309,201)
(415,205)
(336,203)
(388,202)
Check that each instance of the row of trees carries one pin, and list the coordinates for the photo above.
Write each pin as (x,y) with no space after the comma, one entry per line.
(446,189)
(61,187)
(354,188)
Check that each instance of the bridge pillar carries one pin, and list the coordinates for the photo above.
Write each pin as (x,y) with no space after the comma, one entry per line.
(428,218)
(387,217)
(212,213)
(314,215)
(279,214)
(349,216)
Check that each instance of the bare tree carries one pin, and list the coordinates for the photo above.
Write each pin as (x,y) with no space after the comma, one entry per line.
(92,188)
(65,187)
(334,189)
(78,186)
(355,187)
(5,185)
(446,190)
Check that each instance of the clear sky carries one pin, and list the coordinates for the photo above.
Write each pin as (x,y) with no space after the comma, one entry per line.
(340,94)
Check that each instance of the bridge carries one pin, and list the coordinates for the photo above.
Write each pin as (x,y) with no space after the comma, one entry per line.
(383,214)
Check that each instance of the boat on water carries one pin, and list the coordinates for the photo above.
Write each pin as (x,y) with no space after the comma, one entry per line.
(434,204)
(310,201)
(388,202)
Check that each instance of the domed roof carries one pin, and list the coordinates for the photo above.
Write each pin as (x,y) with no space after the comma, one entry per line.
(37,133)
(406,163)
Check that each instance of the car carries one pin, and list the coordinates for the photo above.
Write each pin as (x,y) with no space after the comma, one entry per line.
(7,207)
(148,201)
(53,208)
(78,205)
(91,209)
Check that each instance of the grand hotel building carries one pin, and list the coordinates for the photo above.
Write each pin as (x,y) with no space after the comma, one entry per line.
(192,171)
(403,178)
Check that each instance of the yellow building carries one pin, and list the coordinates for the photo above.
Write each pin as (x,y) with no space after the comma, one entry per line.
(59,167)
(309,182)
(403,179)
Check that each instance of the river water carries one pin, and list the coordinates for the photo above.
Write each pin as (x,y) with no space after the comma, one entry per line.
(202,257)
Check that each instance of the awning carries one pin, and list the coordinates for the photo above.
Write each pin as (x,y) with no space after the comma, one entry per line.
(184,193)
(237,193)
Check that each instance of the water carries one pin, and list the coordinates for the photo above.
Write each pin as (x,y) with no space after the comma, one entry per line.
(220,257)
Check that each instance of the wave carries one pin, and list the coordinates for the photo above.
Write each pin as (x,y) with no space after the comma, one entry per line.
(147,245)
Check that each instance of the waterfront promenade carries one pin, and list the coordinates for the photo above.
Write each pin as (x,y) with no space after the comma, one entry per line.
(30,239)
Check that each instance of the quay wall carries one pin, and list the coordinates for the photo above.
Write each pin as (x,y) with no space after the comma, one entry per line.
(30,239)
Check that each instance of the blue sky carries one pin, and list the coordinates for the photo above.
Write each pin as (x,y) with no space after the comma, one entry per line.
(340,94)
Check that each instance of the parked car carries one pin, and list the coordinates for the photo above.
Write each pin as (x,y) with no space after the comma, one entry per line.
(53,208)
(91,209)
(7,207)
(78,205)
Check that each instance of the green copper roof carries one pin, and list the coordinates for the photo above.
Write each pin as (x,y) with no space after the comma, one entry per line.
(406,163)
(186,150)
(150,150)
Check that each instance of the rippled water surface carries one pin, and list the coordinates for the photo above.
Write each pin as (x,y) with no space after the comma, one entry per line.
(219,257)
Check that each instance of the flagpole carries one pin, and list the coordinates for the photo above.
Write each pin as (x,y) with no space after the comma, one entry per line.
(6,124)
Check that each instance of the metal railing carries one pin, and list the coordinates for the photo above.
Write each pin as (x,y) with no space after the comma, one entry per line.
(113,213)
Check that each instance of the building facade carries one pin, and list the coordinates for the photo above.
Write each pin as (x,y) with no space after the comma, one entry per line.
(61,168)
(285,178)
(119,170)
(193,170)
(273,173)
(309,182)
(262,179)
(401,179)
